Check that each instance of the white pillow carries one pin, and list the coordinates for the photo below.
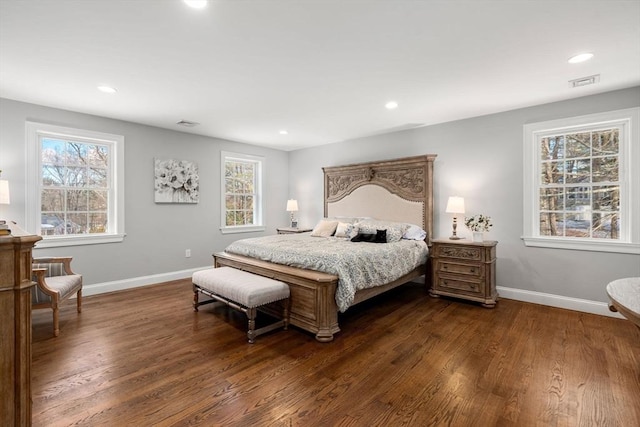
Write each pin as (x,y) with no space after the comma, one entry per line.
(345,229)
(414,232)
(324,228)
(342,229)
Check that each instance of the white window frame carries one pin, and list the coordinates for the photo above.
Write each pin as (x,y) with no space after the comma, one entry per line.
(258,199)
(629,154)
(33,132)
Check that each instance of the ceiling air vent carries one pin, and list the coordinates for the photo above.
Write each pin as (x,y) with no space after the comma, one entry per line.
(585,81)
(187,123)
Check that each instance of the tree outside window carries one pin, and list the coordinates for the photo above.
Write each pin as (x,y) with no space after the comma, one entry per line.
(239,192)
(579,185)
(74,187)
(242,192)
(580,178)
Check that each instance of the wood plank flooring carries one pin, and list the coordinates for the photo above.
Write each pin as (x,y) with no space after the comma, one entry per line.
(143,357)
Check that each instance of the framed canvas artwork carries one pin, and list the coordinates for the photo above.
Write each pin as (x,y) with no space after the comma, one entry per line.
(176,181)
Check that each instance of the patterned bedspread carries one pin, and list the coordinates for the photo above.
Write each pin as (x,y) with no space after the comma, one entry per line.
(358,265)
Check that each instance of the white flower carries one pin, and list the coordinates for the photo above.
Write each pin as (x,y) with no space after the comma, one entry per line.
(478,223)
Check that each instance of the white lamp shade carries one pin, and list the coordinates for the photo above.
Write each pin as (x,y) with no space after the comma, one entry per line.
(292,205)
(4,192)
(455,205)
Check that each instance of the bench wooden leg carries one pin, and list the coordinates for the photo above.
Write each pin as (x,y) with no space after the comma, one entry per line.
(195,298)
(251,313)
(251,333)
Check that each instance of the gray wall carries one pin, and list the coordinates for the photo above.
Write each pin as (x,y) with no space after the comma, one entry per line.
(478,158)
(157,234)
(481,159)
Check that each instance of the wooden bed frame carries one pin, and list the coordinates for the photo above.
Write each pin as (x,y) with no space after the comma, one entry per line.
(394,190)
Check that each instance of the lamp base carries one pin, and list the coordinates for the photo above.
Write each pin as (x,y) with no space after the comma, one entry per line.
(454,235)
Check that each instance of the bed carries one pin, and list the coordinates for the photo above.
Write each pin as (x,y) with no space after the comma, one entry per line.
(399,190)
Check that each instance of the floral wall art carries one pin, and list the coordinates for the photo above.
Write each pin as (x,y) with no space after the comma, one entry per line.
(176,181)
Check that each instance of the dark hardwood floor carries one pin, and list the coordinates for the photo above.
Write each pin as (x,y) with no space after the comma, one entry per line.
(143,357)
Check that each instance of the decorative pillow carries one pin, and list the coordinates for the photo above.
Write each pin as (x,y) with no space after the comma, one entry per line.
(324,228)
(343,229)
(379,237)
(414,232)
(395,230)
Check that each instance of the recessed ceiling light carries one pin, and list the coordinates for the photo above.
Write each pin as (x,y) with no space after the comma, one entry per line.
(580,58)
(196,4)
(391,105)
(107,89)
(284,132)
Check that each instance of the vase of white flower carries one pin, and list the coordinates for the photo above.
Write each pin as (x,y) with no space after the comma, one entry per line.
(478,224)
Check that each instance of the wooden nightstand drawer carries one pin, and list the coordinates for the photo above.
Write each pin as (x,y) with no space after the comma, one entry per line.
(456,285)
(457,268)
(468,253)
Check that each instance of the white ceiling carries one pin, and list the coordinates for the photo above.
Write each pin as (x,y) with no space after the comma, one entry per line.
(321,69)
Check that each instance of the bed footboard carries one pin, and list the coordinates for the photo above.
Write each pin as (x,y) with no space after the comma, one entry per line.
(313,306)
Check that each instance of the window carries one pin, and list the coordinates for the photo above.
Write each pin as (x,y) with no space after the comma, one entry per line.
(75,185)
(579,183)
(242,193)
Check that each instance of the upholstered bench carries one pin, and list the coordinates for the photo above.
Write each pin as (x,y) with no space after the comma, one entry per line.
(243,291)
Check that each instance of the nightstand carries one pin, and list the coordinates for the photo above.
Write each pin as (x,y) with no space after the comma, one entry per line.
(291,230)
(464,269)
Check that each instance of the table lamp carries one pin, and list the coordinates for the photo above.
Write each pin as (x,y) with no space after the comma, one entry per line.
(455,205)
(292,206)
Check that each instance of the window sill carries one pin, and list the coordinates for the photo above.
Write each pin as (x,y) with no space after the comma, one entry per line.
(582,245)
(242,229)
(60,241)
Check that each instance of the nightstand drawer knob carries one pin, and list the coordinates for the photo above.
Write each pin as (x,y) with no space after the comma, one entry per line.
(472,270)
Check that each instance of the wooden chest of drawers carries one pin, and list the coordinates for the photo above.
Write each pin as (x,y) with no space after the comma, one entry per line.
(464,269)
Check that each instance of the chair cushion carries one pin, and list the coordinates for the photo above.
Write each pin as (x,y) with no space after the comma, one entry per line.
(240,286)
(65,285)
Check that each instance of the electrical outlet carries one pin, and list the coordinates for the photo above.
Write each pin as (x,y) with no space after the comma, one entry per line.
(187,253)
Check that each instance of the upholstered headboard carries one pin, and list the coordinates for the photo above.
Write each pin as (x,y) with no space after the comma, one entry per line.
(394,190)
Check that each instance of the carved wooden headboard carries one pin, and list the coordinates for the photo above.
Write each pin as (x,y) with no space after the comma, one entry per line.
(394,190)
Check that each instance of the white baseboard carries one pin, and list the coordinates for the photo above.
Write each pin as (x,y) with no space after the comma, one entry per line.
(577,304)
(119,285)
(559,301)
